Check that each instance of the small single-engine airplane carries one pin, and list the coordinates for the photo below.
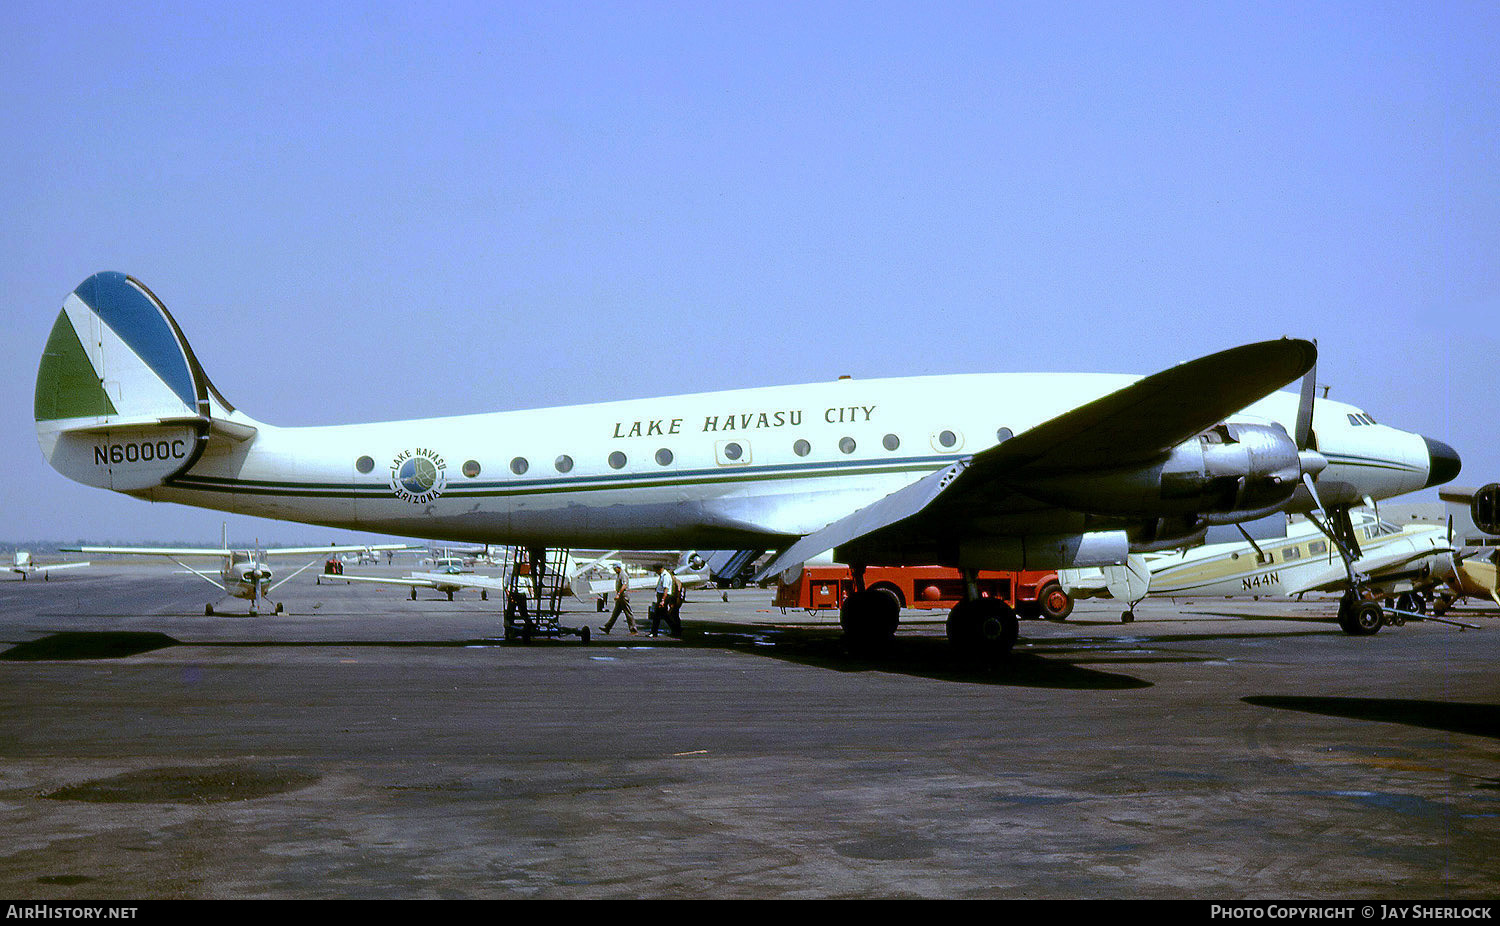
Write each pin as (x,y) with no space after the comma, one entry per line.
(445,579)
(243,574)
(978,471)
(586,580)
(595,578)
(23,564)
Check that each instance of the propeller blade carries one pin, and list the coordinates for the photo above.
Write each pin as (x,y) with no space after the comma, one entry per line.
(1304,435)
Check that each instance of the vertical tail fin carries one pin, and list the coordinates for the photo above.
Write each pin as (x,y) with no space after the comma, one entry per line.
(121,401)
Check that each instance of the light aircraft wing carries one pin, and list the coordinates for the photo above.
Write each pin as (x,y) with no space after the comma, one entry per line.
(152,551)
(1385,570)
(57,566)
(222,551)
(437,580)
(463,580)
(1135,424)
(346,548)
(1406,562)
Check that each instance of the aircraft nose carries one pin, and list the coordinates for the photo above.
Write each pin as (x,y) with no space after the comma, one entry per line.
(1442,462)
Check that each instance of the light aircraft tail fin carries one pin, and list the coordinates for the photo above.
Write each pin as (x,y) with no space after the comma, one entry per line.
(121,402)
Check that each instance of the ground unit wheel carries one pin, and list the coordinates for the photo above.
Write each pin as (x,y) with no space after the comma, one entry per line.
(1054,603)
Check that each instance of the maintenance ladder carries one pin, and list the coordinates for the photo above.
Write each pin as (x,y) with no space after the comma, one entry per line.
(547,570)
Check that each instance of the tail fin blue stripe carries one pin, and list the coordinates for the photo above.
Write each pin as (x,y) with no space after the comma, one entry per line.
(141,324)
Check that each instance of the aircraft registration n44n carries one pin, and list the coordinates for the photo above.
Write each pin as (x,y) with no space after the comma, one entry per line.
(975,471)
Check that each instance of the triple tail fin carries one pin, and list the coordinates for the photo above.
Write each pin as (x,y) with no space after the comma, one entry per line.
(121,402)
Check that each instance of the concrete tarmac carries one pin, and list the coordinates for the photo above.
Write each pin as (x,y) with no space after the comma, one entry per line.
(364,745)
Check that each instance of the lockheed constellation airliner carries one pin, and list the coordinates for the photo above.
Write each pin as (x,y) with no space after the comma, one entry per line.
(976,471)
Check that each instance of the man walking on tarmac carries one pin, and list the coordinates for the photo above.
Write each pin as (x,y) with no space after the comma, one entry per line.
(622,602)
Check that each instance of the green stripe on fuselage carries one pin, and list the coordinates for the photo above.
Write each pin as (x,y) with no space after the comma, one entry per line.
(66,384)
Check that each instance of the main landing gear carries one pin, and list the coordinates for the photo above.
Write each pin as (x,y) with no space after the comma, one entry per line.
(869,616)
(983,627)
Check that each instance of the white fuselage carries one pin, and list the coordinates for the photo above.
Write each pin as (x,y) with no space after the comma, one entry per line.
(736,469)
(1302,561)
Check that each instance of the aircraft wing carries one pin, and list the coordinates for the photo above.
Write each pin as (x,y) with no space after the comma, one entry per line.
(222,552)
(56,567)
(383,580)
(463,580)
(1381,569)
(346,548)
(430,580)
(1133,424)
(151,551)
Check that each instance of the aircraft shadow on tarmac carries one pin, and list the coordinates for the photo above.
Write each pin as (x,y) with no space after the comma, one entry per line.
(1450,717)
(63,647)
(1054,663)
(925,657)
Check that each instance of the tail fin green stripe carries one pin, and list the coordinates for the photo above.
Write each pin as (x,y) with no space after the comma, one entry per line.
(66,384)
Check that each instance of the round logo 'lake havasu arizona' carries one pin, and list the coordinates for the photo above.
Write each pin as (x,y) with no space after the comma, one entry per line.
(418,475)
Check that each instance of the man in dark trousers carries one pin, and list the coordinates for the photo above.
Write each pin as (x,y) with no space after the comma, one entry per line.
(622,602)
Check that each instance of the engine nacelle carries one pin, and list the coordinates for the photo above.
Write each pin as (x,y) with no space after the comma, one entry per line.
(1230,473)
(1053,551)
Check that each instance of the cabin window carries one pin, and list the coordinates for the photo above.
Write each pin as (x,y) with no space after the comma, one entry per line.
(364,464)
(519,466)
(563,463)
(471,468)
(1266,558)
(1317,548)
(847,445)
(802,448)
(733,451)
(1004,434)
(616,460)
(891,442)
(663,456)
(947,440)
(1290,553)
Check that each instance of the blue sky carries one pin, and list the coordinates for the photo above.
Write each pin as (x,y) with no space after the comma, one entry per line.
(379,210)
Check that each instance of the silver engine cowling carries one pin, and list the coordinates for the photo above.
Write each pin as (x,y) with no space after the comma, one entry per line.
(1229,473)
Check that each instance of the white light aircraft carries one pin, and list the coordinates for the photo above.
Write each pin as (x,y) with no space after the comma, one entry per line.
(1392,561)
(448,579)
(23,564)
(594,578)
(243,574)
(585,579)
(979,471)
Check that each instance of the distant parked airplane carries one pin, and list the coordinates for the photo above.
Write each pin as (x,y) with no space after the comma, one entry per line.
(244,573)
(26,567)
